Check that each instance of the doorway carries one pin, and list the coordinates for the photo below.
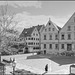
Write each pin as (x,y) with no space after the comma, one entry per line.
(44,51)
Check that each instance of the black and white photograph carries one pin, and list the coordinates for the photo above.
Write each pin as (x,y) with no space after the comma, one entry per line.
(37,37)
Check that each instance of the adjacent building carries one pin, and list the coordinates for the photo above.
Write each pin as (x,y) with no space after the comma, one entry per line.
(50,38)
(67,35)
(31,38)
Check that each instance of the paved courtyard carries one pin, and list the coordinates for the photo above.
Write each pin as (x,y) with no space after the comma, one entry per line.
(56,65)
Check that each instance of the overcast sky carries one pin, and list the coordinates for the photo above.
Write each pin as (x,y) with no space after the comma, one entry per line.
(32,13)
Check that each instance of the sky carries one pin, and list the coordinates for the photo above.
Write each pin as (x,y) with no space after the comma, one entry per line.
(32,13)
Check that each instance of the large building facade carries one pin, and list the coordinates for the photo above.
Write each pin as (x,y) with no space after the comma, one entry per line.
(67,35)
(55,39)
(49,38)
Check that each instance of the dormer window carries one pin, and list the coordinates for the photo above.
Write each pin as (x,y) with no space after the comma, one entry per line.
(49,23)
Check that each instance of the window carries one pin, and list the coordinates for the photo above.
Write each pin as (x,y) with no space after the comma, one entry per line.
(34,43)
(62,36)
(74,19)
(49,29)
(74,46)
(49,23)
(38,38)
(34,38)
(74,27)
(44,46)
(26,43)
(50,46)
(44,37)
(30,43)
(45,30)
(62,46)
(50,37)
(56,46)
(56,37)
(31,38)
(36,34)
(74,35)
(53,29)
(69,36)
(28,38)
(69,28)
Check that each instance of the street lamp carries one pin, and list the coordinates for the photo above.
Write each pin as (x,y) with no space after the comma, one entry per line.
(13,65)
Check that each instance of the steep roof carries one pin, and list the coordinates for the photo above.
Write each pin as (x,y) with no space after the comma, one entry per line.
(38,27)
(27,32)
(57,27)
(70,20)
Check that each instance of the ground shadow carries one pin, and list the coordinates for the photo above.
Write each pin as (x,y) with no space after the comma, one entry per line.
(63,60)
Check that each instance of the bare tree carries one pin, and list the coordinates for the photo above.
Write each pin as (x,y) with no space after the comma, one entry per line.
(7,25)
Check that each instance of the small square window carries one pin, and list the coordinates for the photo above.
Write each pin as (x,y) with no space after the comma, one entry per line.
(50,46)
(69,36)
(62,46)
(53,29)
(44,46)
(74,28)
(34,34)
(49,23)
(44,37)
(56,46)
(45,30)
(74,19)
(69,28)
(50,37)
(49,29)
(62,36)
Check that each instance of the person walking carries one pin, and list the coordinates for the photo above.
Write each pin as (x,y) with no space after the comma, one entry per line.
(46,69)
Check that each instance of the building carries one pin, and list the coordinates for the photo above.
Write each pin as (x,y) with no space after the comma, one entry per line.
(30,36)
(67,35)
(49,38)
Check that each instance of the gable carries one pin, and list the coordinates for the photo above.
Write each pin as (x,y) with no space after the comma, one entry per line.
(51,27)
(70,22)
(35,31)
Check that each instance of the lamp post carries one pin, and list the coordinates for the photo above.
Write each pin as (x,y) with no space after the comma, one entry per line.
(13,65)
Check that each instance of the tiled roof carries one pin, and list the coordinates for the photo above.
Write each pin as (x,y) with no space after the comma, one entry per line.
(28,31)
(38,27)
(57,27)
